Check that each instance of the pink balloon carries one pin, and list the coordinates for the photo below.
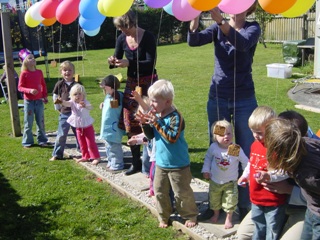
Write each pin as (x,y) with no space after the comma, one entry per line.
(48,8)
(183,11)
(235,6)
(67,11)
(157,3)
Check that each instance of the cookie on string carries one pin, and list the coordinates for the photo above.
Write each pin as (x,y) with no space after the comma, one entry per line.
(219,130)
(58,101)
(234,150)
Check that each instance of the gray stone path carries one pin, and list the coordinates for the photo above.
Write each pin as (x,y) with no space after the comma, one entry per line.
(136,187)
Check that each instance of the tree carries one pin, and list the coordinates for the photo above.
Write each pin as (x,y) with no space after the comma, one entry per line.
(263,18)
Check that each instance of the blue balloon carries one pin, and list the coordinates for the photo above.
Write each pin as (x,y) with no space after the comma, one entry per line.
(92,33)
(168,8)
(88,8)
(91,24)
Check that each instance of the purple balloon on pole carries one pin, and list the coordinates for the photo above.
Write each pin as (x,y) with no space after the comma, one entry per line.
(156,3)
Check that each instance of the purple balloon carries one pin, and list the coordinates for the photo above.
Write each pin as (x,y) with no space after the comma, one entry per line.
(157,3)
(235,6)
(183,11)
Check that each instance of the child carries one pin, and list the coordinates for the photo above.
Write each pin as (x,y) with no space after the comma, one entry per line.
(33,86)
(166,124)
(110,131)
(299,156)
(221,168)
(268,208)
(82,121)
(4,80)
(61,90)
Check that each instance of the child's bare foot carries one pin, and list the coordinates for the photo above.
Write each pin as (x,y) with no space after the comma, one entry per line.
(190,223)
(95,162)
(215,217)
(163,225)
(81,160)
(228,223)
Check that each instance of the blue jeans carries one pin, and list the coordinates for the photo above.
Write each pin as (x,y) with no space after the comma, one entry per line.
(311,227)
(62,134)
(33,109)
(237,113)
(268,221)
(114,155)
(145,160)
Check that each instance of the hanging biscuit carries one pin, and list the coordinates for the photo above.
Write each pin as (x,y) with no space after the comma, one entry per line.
(219,130)
(234,150)
(53,63)
(114,103)
(139,90)
(58,101)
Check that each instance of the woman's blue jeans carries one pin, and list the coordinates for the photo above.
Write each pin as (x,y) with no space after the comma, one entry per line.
(311,227)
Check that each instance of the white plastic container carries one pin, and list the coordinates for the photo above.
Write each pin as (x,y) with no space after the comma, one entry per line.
(279,70)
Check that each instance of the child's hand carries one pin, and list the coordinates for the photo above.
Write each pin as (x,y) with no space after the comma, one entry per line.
(142,118)
(132,141)
(33,91)
(101,105)
(262,176)
(136,96)
(82,104)
(206,175)
(58,101)
(242,181)
(45,100)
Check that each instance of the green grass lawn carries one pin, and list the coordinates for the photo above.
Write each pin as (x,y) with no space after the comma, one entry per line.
(61,200)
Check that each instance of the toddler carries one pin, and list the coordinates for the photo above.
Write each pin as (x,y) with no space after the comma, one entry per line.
(221,168)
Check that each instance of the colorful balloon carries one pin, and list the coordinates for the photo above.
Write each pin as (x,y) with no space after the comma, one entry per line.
(92,33)
(88,8)
(101,9)
(115,8)
(35,11)
(276,6)
(203,5)
(91,24)
(157,3)
(183,11)
(49,22)
(30,22)
(48,8)
(67,11)
(235,6)
(299,8)
(168,8)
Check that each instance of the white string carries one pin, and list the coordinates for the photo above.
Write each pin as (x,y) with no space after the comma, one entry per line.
(234,78)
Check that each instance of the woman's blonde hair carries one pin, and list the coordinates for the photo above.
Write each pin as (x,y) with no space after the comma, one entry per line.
(222,123)
(24,63)
(126,21)
(77,88)
(285,145)
(260,116)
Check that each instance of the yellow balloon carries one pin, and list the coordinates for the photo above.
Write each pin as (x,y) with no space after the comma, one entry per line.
(204,5)
(100,8)
(299,8)
(115,8)
(30,22)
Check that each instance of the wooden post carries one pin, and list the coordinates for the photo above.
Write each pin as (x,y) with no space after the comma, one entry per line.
(12,89)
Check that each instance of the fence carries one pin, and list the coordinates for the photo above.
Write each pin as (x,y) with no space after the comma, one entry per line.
(284,29)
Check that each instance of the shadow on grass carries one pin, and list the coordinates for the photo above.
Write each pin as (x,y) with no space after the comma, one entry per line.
(21,222)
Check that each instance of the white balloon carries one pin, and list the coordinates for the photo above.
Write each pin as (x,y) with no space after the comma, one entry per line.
(35,11)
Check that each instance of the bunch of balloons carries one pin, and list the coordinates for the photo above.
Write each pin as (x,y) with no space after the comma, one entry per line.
(92,13)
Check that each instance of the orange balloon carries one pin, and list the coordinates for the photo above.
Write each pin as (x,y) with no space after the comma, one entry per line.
(204,5)
(49,21)
(276,6)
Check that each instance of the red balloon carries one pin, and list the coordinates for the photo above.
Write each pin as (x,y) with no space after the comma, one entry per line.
(67,11)
(48,8)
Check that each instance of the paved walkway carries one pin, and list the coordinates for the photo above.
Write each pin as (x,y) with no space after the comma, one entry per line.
(136,187)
